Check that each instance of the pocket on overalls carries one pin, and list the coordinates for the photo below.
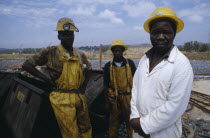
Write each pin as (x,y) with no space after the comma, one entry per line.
(112,96)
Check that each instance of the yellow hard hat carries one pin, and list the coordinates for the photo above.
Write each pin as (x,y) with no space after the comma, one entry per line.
(66,24)
(118,42)
(164,12)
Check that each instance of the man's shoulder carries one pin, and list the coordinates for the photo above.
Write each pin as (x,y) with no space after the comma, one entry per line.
(51,48)
(48,49)
(182,60)
(41,57)
(107,64)
(79,52)
(130,60)
(181,57)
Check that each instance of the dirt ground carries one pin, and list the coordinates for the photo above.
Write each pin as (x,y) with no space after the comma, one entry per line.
(203,86)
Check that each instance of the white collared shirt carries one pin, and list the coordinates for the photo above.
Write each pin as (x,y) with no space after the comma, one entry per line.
(161,96)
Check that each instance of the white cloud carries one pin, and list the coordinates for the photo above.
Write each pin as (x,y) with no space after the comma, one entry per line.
(96,25)
(196,18)
(107,1)
(183,13)
(82,11)
(68,2)
(36,17)
(32,3)
(195,14)
(138,28)
(166,3)
(38,22)
(142,8)
(24,11)
(111,15)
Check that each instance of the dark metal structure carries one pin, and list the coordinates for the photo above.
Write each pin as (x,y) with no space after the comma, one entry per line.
(25,110)
(200,100)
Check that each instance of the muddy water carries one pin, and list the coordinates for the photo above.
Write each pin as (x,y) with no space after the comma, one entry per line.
(198,66)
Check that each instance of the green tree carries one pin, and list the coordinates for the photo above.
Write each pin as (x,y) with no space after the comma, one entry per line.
(196,46)
(181,48)
(188,46)
(203,47)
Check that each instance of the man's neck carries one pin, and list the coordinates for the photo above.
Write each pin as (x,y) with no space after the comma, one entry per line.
(160,52)
(157,56)
(118,59)
(68,48)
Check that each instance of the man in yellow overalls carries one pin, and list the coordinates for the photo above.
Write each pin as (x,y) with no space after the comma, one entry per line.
(65,66)
(118,77)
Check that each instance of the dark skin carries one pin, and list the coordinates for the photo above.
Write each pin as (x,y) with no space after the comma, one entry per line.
(67,39)
(118,53)
(161,35)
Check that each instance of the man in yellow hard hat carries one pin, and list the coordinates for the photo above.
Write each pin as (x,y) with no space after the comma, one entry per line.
(162,82)
(65,66)
(118,78)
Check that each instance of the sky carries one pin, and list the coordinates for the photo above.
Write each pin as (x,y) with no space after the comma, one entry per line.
(32,23)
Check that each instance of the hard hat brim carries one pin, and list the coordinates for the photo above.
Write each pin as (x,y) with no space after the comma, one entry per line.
(125,47)
(72,28)
(180,23)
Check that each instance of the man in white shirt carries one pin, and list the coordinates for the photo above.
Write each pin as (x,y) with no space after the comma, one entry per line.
(162,82)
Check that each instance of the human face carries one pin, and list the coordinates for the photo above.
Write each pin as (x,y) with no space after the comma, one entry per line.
(66,37)
(118,52)
(162,35)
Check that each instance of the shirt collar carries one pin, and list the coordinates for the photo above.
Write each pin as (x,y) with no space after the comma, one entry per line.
(123,62)
(165,56)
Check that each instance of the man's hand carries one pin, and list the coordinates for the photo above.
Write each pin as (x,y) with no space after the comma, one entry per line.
(135,124)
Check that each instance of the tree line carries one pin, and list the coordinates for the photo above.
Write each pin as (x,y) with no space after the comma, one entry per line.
(188,47)
(194,46)
(20,51)
(93,49)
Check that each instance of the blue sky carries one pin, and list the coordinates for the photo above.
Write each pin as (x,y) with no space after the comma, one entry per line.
(31,23)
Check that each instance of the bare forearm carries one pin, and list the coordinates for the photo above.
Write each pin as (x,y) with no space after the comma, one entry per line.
(35,72)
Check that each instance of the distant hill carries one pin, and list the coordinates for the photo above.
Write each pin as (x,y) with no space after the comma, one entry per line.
(143,44)
(2,49)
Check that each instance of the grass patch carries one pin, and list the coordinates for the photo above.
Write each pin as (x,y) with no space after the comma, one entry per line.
(14,56)
(197,55)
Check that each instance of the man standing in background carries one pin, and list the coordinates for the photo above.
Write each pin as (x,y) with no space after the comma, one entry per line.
(118,77)
(162,82)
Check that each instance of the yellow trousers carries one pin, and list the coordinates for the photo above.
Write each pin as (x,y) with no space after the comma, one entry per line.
(120,107)
(72,114)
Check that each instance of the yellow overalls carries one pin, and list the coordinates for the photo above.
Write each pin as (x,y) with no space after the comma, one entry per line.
(69,105)
(121,84)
